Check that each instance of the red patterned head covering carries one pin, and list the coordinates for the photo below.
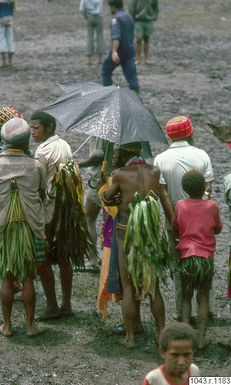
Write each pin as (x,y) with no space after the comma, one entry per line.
(179,127)
(7,113)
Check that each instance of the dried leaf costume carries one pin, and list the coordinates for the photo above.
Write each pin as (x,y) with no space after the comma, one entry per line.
(68,232)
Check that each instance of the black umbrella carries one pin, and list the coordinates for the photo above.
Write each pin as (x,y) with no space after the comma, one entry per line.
(111,113)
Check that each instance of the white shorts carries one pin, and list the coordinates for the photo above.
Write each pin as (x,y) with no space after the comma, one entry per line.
(7,39)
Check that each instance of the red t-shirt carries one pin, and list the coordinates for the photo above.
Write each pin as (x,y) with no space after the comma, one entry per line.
(196,222)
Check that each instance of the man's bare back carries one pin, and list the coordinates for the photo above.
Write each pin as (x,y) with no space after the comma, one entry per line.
(140,178)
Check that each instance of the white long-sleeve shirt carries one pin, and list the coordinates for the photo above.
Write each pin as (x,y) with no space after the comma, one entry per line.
(95,7)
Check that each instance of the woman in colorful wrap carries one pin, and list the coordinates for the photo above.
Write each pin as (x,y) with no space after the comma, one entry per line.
(196,223)
(137,179)
(22,239)
(109,214)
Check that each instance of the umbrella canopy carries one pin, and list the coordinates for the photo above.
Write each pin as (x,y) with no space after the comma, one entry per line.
(111,113)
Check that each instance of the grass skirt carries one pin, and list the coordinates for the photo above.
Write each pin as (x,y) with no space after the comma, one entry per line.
(18,246)
(196,271)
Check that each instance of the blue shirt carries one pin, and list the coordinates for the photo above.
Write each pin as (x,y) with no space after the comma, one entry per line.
(6,9)
(122,29)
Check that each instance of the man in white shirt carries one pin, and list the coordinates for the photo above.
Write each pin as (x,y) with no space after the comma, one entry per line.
(51,152)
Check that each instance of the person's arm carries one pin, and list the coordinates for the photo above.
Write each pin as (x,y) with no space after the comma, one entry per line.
(208,175)
(208,190)
(93,160)
(115,57)
(82,8)
(112,197)
(132,7)
(145,382)
(218,224)
(156,8)
(43,162)
(115,36)
(166,204)
(175,224)
(42,182)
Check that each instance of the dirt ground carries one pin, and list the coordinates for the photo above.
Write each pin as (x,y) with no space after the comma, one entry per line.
(190,53)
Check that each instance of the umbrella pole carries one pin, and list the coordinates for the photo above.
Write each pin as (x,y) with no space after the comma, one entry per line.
(74,153)
(104,164)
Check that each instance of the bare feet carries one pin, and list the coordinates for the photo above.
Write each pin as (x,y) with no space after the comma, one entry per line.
(120,329)
(5,331)
(202,342)
(34,330)
(66,311)
(126,343)
(48,315)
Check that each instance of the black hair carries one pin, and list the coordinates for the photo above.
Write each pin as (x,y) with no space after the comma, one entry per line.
(175,332)
(45,119)
(193,183)
(117,3)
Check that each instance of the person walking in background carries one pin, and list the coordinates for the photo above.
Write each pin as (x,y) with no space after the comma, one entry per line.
(196,222)
(144,13)
(122,51)
(7,47)
(92,10)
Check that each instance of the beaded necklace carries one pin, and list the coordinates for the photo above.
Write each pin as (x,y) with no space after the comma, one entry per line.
(135,160)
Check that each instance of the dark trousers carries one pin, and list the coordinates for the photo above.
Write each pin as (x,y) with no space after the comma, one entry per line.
(128,67)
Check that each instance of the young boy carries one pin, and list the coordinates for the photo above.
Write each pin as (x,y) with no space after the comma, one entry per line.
(196,223)
(177,345)
(7,48)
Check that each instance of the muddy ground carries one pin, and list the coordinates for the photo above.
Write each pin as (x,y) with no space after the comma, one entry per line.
(190,54)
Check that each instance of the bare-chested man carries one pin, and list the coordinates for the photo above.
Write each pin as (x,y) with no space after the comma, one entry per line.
(136,176)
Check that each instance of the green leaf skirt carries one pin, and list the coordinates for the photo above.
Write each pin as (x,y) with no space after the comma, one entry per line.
(20,250)
(196,271)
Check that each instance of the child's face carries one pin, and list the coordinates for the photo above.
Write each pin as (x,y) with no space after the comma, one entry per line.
(178,357)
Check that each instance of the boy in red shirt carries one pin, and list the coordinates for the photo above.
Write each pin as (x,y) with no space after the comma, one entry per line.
(177,345)
(196,223)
